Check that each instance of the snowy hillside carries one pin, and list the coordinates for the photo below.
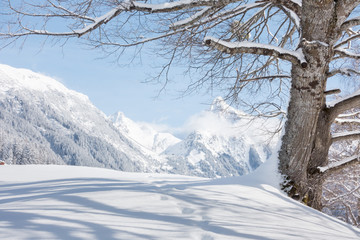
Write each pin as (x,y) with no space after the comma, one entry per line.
(67,202)
(41,121)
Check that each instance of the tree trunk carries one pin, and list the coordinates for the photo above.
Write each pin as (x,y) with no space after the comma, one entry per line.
(306,102)
(319,158)
(306,141)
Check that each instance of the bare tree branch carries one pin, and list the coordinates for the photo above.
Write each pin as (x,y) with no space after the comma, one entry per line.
(340,164)
(346,115)
(289,4)
(344,9)
(339,106)
(347,121)
(345,136)
(192,19)
(255,48)
(122,7)
(344,53)
(333,91)
(224,15)
(271,77)
(175,6)
(66,13)
(348,40)
(343,71)
(350,23)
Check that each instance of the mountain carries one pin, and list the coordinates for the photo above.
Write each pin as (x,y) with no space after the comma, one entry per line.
(143,133)
(222,141)
(226,142)
(43,122)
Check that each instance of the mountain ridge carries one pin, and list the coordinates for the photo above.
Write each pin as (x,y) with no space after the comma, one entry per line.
(43,122)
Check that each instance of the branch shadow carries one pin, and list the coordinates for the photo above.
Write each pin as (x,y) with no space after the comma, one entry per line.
(84,197)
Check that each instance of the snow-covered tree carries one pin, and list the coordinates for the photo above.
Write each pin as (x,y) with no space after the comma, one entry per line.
(258,45)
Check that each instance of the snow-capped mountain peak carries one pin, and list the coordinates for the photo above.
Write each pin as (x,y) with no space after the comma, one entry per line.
(41,121)
(16,79)
(220,107)
(143,133)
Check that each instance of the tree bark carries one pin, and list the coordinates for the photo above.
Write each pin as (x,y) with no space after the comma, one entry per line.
(307,138)
(319,158)
(306,103)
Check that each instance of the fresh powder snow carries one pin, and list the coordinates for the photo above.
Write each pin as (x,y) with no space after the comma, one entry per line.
(71,202)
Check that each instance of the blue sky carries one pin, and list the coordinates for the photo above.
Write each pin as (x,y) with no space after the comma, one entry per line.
(109,86)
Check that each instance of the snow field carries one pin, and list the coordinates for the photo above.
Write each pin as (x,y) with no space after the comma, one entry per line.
(64,202)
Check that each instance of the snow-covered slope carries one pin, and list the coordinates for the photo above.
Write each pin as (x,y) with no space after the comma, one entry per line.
(67,202)
(41,121)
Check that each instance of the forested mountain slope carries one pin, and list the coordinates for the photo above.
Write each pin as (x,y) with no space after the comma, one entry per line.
(43,122)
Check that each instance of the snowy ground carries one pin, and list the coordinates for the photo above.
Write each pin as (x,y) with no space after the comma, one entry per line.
(64,202)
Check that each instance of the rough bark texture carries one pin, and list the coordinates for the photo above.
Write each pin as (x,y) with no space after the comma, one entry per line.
(304,141)
(319,158)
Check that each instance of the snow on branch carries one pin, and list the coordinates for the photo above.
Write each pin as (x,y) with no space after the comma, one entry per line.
(340,164)
(293,5)
(192,18)
(345,136)
(341,105)
(347,121)
(348,40)
(293,16)
(295,57)
(176,5)
(298,2)
(223,15)
(344,53)
(100,21)
(343,71)
(292,8)
(124,6)
(206,11)
(350,23)
(346,115)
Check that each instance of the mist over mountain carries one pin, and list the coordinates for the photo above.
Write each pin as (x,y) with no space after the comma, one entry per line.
(224,142)
(43,122)
(221,141)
